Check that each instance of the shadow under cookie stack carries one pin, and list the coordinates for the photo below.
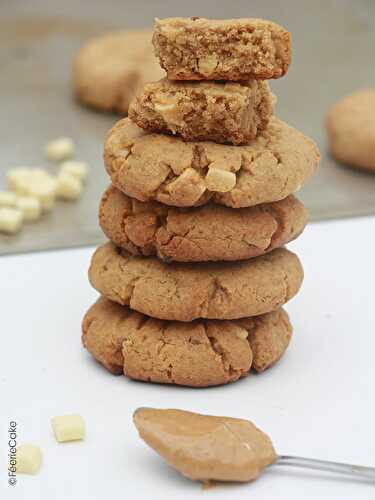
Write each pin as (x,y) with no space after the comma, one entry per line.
(194,279)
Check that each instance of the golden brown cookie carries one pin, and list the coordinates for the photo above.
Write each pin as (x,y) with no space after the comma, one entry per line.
(224,112)
(108,71)
(233,49)
(149,166)
(210,232)
(184,292)
(197,354)
(351,129)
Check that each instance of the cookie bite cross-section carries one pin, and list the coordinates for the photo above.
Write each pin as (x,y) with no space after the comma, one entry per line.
(200,206)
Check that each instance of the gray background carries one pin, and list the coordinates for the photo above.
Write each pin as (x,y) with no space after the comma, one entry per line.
(333,54)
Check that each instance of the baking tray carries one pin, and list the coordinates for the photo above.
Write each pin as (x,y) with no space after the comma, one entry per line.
(332,55)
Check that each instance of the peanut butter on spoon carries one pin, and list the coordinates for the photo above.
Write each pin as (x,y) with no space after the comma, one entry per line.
(204,447)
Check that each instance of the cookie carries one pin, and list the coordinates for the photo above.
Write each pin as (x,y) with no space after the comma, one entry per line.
(149,166)
(184,292)
(351,129)
(198,354)
(108,71)
(210,232)
(224,112)
(234,49)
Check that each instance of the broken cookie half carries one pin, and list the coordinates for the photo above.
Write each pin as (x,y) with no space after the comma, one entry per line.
(198,354)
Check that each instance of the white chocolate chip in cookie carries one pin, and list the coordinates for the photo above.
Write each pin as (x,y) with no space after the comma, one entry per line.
(68,428)
(29,459)
(207,64)
(242,334)
(68,187)
(189,184)
(10,220)
(77,169)
(219,180)
(169,110)
(8,199)
(59,149)
(30,207)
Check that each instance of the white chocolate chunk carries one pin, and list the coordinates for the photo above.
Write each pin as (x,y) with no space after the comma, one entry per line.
(16,176)
(242,334)
(8,199)
(10,220)
(34,182)
(30,207)
(169,110)
(29,459)
(39,174)
(77,169)
(189,184)
(59,149)
(68,187)
(44,189)
(220,180)
(207,64)
(68,428)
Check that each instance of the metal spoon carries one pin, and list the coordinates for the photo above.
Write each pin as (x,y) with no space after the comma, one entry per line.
(327,466)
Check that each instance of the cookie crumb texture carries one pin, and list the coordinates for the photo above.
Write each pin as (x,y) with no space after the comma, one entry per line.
(223,112)
(184,292)
(207,233)
(198,354)
(149,166)
(351,130)
(234,49)
(109,70)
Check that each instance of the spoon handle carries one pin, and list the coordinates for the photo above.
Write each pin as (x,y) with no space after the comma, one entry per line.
(324,465)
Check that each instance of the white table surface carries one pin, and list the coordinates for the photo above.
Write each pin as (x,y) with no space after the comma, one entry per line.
(319,401)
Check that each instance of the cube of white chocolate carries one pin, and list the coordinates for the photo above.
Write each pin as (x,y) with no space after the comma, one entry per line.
(68,428)
(39,174)
(35,182)
(17,176)
(68,187)
(30,207)
(8,199)
(29,459)
(59,149)
(42,188)
(10,220)
(77,169)
(219,180)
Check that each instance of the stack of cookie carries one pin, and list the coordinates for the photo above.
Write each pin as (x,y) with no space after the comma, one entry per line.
(199,210)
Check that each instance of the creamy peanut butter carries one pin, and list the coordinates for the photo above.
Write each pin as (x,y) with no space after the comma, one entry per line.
(204,447)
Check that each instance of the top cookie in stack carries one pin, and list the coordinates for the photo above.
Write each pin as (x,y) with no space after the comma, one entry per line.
(201,171)
(234,49)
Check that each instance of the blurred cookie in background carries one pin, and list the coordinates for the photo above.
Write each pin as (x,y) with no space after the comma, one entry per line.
(350,126)
(109,70)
